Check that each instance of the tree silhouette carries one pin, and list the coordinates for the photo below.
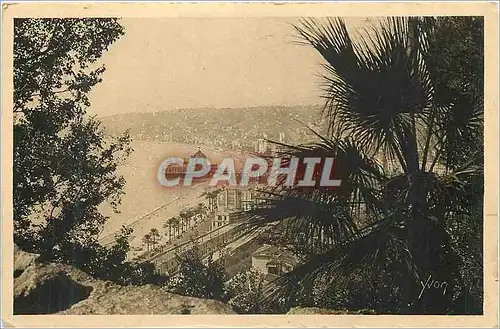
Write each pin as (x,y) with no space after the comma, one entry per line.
(197,278)
(64,166)
(386,229)
(176,223)
(169,223)
(147,240)
(212,198)
(154,234)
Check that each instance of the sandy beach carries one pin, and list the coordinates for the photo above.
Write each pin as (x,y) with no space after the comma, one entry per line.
(146,204)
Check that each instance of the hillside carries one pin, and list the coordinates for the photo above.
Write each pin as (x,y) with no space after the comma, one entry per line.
(47,288)
(223,129)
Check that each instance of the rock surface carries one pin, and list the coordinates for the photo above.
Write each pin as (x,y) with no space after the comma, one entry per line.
(22,260)
(58,288)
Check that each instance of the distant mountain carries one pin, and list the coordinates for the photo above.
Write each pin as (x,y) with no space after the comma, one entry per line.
(226,128)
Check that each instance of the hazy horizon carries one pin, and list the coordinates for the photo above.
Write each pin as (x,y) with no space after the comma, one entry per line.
(105,115)
(180,63)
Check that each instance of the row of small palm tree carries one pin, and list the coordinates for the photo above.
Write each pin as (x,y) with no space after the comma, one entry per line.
(173,226)
(151,239)
(211,196)
(177,225)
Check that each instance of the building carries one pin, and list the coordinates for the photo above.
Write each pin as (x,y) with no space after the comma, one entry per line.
(281,137)
(249,199)
(229,199)
(272,261)
(221,218)
(261,146)
(179,171)
(230,202)
(237,198)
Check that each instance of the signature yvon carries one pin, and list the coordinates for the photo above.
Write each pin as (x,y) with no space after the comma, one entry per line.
(433,284)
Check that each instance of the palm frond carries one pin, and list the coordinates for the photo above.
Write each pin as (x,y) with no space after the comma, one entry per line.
(373,84)
(372,248)
(333,215)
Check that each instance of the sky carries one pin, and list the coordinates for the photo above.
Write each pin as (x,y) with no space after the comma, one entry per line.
(171,63)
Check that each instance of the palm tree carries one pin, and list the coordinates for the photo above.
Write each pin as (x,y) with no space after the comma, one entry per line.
(168,224)
(176,223)
(201,210)
(147,240)
(154,234)
(184,220)
(385,229)
(189,216)
(212,198)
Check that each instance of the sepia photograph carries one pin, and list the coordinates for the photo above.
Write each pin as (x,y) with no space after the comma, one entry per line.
(294,164)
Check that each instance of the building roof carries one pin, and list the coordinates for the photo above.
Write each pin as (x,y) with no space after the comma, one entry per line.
(199,154)
(265,251)
(276,255)
(273,262)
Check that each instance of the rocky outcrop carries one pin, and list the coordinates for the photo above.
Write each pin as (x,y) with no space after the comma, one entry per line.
(58,288)
(317,310)
(22,260)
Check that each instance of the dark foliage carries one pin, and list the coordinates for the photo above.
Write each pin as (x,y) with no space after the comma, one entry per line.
(405,112)
(198,277)
(64,165)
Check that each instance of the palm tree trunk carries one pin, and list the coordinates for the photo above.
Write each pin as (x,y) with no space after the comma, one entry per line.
(425,240)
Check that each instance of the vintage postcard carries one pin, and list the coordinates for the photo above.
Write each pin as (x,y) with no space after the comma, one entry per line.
(247,165)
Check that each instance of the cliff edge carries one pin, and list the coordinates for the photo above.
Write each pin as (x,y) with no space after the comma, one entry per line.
(48,288)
